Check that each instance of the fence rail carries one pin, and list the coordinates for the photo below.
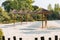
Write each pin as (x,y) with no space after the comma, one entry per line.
(41,38)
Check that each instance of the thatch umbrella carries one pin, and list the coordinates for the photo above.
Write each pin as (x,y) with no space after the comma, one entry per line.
(15,12)
(43,12)
(22,12)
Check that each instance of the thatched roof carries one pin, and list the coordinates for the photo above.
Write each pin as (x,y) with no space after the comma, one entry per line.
(21,11)
(14,11)
(24,12)
(41,11)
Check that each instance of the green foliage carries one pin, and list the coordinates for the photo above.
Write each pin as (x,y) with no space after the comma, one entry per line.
(35,8)
(55,12)
(1,34)
(8,17)
(5,14)
(17,4)
(6,5)
(50,7)
(53,16)
(57,7)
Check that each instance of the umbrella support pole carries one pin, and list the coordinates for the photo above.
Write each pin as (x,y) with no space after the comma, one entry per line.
(42,24)
(21,20)
(14,19)
(42,20)
(21,23)
(45,22)
(26,18)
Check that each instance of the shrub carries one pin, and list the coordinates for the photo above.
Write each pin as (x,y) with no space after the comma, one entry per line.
(1,34)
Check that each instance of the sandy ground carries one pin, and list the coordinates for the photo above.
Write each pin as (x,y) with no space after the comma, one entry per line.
(31,30)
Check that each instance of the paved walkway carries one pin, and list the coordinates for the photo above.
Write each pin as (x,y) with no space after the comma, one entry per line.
(31,29)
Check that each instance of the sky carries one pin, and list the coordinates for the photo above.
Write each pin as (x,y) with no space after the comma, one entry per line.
(41,3)
(1,2)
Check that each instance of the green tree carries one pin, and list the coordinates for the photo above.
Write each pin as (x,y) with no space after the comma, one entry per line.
(50,7)
(1,34)
(0,9)
(56,7)
(3,15)
(18,4)
(6,5)
(35,8)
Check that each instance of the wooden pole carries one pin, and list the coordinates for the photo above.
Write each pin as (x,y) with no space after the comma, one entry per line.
(49,38)
(42,38)
(21,19)
(3,37)
(8,38)
(20,38)
(42,20)
(36,38)
(26,18)
(14,37)
(56,37)
(36,17)
(14,19)
(46,21)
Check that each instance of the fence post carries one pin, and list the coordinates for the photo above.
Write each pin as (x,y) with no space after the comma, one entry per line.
(59,38)
(56,37)
(20,38)
(8,38)
(14,37)
(42,38)
(3,37)
(36,38)
(49,38)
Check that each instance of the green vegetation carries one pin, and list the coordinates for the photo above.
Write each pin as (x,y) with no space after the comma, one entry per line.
(7,16)
(55,12)
(1,34)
